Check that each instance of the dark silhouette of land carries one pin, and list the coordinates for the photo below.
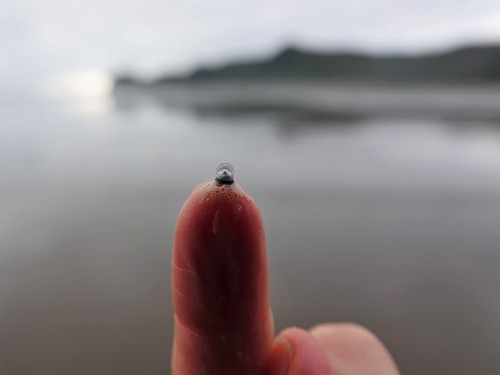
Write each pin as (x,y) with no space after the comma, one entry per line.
(474,64)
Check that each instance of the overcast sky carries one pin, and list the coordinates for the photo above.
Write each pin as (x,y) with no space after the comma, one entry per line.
(41,39)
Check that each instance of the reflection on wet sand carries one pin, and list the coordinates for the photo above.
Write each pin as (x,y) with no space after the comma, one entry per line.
(399,232)
(326,100)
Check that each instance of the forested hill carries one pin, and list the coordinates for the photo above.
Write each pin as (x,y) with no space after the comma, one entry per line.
(468,64)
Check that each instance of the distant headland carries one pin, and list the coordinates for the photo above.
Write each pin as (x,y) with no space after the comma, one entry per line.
(469,64)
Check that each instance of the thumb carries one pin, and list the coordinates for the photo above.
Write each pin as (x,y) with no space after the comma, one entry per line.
(296,352)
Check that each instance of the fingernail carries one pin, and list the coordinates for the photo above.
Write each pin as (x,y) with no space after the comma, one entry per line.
(281,357)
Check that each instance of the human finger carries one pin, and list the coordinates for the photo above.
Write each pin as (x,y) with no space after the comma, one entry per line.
(223,322)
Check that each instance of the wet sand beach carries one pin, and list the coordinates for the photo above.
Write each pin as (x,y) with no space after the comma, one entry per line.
(388,219)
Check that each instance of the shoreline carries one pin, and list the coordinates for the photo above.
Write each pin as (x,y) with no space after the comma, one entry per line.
(329,100)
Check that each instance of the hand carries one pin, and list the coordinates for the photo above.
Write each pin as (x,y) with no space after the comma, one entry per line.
(223,320)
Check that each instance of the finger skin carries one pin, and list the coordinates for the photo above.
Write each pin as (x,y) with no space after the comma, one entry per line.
(223,323)
(296,352)
(354,350)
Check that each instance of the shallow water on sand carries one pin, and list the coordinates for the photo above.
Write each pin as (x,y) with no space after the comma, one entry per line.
(387,221)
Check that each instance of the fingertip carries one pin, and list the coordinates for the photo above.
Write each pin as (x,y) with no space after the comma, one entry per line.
(219,261)
(353,349)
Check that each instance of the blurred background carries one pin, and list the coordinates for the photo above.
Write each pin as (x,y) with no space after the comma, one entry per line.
(368,132)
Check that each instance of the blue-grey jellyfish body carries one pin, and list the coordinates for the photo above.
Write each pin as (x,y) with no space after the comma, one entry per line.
(225,174)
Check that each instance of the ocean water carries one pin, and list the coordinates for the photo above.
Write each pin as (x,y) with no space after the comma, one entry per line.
(385,212)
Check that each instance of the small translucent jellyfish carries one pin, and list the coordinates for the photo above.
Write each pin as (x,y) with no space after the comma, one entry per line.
(225,174)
